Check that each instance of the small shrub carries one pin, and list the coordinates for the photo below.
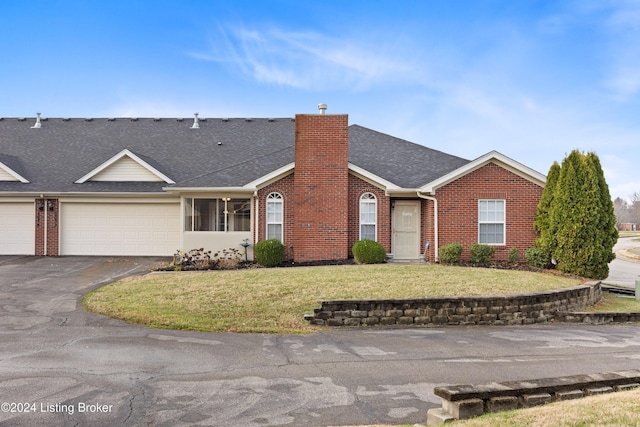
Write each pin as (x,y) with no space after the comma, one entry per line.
(228,259)
(514,255)
(451,253)
(369,252)
(537,258)
(269,252)
(481,253)
(195,259)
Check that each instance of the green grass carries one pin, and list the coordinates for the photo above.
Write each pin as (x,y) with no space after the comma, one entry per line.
(619,409)
(616,303)
(275,300)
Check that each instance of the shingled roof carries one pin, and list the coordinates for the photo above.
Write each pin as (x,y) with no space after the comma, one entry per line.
(221,153)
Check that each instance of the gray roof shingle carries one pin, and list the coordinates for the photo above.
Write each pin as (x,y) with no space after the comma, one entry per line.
(221,153)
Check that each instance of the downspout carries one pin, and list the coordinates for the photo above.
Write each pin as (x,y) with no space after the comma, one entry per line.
(256,234)
(435,224)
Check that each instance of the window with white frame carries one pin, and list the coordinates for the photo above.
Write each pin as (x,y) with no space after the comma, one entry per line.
(224,214)
(491,222)
(275,216)
(368,216)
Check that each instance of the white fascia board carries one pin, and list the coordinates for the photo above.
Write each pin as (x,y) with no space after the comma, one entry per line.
(373,178)
(209,189)
(492,156)
(120,155)
(270,177)
(13,173)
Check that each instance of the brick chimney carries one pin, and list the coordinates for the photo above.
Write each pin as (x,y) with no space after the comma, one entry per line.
(320,187)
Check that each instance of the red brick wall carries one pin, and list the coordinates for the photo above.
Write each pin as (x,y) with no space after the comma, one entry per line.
(357,187)
(283,186)
(46,223)
(320,187)
(458,208)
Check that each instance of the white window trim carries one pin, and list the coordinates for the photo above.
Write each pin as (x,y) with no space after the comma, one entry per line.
(503,222)
(369,200)
(275,198)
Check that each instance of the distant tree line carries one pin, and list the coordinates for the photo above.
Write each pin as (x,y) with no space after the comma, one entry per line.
(627,212)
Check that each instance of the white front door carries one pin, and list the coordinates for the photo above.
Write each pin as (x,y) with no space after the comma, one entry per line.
(406,229)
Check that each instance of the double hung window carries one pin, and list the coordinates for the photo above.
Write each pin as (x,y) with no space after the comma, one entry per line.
(275,216)
(491,222)
(368,216)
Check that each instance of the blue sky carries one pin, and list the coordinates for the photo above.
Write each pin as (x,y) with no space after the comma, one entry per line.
(530,79)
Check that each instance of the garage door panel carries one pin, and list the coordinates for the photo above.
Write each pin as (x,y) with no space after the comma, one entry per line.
(120,228)
(17,229)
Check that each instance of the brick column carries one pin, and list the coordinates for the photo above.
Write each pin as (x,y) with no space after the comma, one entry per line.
(320,188)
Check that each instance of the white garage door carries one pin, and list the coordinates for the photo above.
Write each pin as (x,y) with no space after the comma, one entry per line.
(119,228)
(17,229)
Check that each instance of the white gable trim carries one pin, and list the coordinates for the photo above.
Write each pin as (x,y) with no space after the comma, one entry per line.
(13,174)
(271,177)
(373,179)
(495,157)
(120,155)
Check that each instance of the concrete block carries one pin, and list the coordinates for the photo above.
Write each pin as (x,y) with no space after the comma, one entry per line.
(462,409)
(503,403)
(359,313)
(405,320)
(568,395)
(529,400)
(437,416)
(351,321)
(598,390)
(626,387)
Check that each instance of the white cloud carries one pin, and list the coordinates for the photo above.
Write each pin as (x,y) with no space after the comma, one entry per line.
(308,60)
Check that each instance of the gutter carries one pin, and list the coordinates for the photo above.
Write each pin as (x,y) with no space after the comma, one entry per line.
(435,223)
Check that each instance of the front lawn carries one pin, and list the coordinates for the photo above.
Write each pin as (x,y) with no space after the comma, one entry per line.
(275,300)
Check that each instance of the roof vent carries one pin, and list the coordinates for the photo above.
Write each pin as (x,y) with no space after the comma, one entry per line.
(88,119)
(248,119)
(112,119)
(157,119)
(21,119)
(179,119)
(225,119)
(134,119)
(38,125)
(322,108)
(66,119)
(195,125)
(271,119)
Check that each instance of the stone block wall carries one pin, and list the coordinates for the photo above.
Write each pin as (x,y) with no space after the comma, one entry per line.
(522,309)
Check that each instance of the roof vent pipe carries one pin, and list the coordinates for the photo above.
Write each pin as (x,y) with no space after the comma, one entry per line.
(195,125)
(38,125)
(322,108)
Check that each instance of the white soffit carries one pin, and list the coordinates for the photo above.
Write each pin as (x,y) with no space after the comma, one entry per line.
(125,166)
(8,174)
(491,157)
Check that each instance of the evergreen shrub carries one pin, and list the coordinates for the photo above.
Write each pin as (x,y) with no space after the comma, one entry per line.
(481,253)
(368,252)
(269,252)
(537,257)
(451,253)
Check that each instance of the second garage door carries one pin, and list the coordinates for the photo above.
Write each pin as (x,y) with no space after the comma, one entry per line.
(17,228)
(119,228)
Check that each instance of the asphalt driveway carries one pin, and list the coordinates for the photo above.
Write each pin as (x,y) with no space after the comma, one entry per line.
(61,366)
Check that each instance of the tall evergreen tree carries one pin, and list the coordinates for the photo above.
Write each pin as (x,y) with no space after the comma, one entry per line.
(578,227)
(542,224)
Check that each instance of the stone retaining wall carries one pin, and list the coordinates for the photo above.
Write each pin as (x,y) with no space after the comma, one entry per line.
(598,318)
(499,310)
(466,401)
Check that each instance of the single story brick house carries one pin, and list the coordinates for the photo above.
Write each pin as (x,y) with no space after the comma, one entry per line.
(150,186)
